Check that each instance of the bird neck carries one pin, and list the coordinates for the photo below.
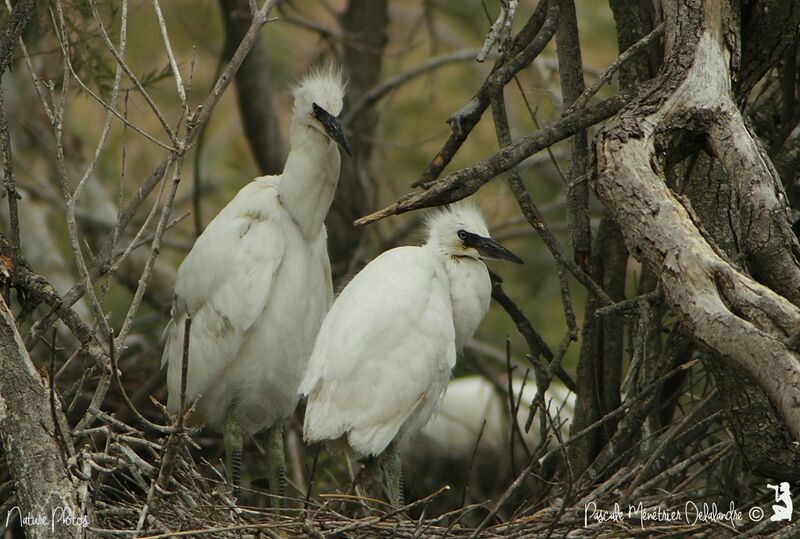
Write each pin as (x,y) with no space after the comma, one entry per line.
(470,293)
(309,178)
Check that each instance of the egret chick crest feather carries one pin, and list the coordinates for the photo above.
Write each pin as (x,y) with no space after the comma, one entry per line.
(318,101)
(324,86)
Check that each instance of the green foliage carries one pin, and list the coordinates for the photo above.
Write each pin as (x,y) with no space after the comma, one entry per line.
(89,56)
(155,75)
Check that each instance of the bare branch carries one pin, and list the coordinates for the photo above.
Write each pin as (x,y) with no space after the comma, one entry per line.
(465,182)
(176,73)
(528,44)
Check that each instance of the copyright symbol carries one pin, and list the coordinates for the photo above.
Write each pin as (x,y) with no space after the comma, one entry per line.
(756,514)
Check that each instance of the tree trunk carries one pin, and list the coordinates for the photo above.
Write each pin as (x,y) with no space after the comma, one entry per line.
(253,90)
(33,438)
(743,324)
(365,24)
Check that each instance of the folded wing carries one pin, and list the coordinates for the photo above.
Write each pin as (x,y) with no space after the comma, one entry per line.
(223,284)
(386,344)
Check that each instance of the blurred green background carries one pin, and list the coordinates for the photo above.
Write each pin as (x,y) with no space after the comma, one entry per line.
(412,124)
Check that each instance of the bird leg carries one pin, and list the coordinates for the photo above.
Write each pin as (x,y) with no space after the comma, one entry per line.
(372,481)
(393,475)
(233,453)
(277,468)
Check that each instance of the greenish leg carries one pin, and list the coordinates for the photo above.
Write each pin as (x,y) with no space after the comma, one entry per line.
(383,477)
(233,453)
(393,475)
(372,481)
(277,467)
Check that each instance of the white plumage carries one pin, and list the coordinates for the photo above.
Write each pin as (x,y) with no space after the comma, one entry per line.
(472,400)
(256,291)
(384,354)
(385,351)
(257,282)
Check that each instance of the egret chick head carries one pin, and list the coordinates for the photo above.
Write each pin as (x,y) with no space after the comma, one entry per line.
(459,230)
(318,101)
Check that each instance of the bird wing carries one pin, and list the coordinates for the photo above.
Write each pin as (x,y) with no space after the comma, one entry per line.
(224,284)
(386,343)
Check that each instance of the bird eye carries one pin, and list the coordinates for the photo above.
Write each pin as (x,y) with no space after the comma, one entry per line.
(315,107)
(462,234)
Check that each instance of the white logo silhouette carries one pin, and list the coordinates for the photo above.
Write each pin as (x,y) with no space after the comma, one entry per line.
(782,495)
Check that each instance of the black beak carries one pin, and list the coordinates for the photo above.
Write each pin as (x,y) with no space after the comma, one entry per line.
(490,249)
(332,127)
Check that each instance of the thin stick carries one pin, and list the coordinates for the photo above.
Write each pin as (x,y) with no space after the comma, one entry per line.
(154,251)
(471,464)
(311,475)
(175,438)
(118,55)
(162,25)
(187,331)
(622,59)
(126,399)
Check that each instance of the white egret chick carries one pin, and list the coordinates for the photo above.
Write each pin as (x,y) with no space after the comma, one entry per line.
(472,404)
(385,351)
(257,284)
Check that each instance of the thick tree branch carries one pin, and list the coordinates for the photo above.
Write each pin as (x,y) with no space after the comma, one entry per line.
(765,220)
(17,21)
(742,321)
(768,27)
(38,290)
(570,70)
(465,182)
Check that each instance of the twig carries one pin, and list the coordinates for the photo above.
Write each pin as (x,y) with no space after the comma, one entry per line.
(71,198)
(622,59)
(154,251)
(375,520)
(536,344)
(187,331)
(118,380)
(472,463)
(534,217)
(500,30)
(527,45)
(119,56)
(175,438)
(383,89)
(223,81)
(628,304)
(311,475)
(162,26)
